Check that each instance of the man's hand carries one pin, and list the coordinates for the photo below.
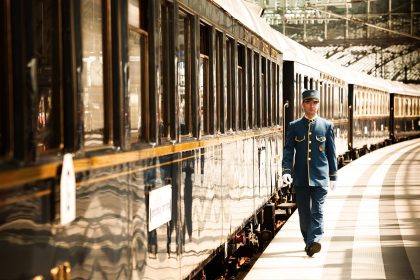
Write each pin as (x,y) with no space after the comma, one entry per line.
(287,179)
(333,184)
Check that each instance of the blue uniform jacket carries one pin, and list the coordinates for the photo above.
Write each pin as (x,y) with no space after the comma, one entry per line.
(312,161)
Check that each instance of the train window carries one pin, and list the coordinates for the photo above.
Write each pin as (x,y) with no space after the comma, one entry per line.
(204,81)
(93,85)
(279,94)
(4,121)
(363,104)
(184,62)
(298,92)
(358,102)
(418,107)
(47,136)
(257,91)
(5,82)
(381,104)
(220,104)
(269,91)
(330,105)
(410,107)
(366,103)
(204,94)
(137,71)
(339,102)
(305,82)
(383,108)
(299,98)
(334,102)
(264,91)
(367,107)
(250,79)
(413,108)
(342,104)
(346,103)
(274,94)
(324,100)
(375,103)
(401,107)
(164,101)
(241,88)
(230,97)
(274,110)
(395,106)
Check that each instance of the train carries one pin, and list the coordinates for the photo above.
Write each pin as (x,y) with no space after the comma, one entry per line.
(143,139)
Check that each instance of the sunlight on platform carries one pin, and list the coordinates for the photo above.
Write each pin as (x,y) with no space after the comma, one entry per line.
(372,224)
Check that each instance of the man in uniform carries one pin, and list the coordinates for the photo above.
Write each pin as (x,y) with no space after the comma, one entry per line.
(309,156)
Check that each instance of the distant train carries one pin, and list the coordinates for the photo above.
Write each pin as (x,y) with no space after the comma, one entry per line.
(143,139)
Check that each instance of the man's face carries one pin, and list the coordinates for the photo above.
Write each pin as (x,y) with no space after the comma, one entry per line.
(310,107)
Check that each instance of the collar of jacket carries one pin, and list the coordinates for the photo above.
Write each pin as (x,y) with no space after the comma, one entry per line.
(308,120)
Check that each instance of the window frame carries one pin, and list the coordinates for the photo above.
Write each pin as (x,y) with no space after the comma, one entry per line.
(143,134)
(6,90)
(105,86)
(242,83)
(206,103)
(257,90)
(186,132)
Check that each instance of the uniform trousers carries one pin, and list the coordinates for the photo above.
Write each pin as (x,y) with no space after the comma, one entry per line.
(310,201)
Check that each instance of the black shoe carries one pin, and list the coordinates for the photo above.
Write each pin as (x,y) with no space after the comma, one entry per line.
(315,247)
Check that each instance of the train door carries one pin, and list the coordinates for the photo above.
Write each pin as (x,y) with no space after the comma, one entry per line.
(290,86)
(392,117)
(351,110)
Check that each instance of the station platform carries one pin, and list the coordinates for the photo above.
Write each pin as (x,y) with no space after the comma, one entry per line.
(372,224)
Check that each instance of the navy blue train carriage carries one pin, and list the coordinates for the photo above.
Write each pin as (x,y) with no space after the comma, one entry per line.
(170,110)
(404,111)
(142,139)
(360,106)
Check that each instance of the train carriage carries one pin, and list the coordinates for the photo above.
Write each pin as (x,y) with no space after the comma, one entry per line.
(170,110)
(369,100)
(305,70)
(404,111)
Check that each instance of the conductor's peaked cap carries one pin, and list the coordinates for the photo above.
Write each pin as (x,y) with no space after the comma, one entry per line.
(310,94)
